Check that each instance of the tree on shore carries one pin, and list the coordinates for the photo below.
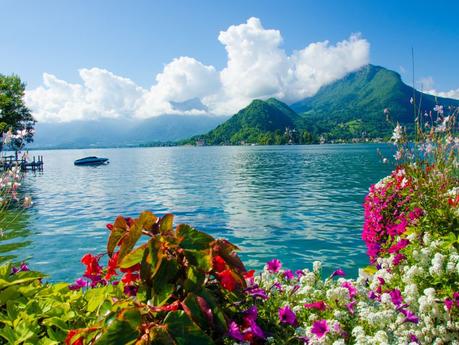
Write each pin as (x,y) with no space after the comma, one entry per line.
(15,118)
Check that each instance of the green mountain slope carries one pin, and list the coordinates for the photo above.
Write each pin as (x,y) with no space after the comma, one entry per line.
(262,122)
(355,104)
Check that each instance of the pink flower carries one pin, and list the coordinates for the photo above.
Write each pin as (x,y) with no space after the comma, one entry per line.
(319,305)
(352,290)
(396,297)
(338,273)
(274,265)
(288,274)
(234,332)
(286,315)
(320,328)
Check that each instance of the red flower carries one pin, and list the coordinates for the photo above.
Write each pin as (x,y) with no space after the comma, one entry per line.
(219,263)
(109,227)
(130,277)
(249,274)
(70,335)
(227,280)
(112,265)
(92,265)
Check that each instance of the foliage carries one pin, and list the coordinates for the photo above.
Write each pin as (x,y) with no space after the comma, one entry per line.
(14,114)
(179,285)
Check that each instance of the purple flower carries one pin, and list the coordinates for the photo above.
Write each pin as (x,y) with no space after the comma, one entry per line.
(372,295)
(350,307)
(286,315)
(79,284)
(278,286)
(448,303)
(338,273)
(24,267)
(320,328)
(414,339)
(288,274)
(251,313)
(396,297)
(299,273)
(255,291)
(352,290)
(274,265)
(130,290)
(256,330)
(14,270)
(320,305)
(409,316)
(234,332)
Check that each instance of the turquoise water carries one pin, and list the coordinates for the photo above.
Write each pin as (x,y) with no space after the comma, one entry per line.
(296,203)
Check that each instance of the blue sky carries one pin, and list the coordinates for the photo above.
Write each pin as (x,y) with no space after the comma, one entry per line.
(136,39)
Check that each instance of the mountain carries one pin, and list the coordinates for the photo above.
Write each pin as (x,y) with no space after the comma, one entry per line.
(355,104)
(122,132)
(263,122)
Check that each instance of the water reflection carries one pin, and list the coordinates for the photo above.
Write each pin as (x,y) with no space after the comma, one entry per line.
(298,203)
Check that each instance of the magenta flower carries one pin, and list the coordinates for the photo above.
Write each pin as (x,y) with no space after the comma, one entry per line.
(320,328)
(409,316)
(414,339)
(278,286)
(256,330)
(319,305)
(274,265)
(79,284)
(251,313)
(256,291)
(399,246)
(286,315)
(338,273)
(24,267)
(448,303)
(234,331)
(352,290)
(350,307)
(288,274)
(299,273)
(396,297)
(398,258)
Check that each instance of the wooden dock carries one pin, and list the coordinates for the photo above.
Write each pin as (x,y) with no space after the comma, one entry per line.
(8,162)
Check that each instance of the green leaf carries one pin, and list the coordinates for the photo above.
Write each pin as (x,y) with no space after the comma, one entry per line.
(202,259)
(160,336)
(120,227)
(194,279)
(122,330)
(192,238)
(184,330)
(166,223)
(130,239)
(149,221)
(134,257)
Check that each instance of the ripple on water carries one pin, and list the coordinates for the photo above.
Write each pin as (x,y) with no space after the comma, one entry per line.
(297,203)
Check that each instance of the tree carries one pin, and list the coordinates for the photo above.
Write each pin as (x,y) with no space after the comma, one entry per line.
(15,117)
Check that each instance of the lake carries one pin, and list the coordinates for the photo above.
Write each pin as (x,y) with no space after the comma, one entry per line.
(295,203)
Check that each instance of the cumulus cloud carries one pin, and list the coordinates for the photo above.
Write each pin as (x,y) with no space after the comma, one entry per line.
(427,84)
(257,67)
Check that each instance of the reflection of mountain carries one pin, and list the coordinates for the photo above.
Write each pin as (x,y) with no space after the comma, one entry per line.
(122,132)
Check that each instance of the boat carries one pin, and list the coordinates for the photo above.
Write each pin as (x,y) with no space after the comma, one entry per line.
(92,160)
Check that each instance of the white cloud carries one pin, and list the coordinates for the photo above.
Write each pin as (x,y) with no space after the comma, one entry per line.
(257,67)
(427,84)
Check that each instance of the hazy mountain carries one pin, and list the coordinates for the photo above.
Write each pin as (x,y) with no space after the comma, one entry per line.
(356,103)
(117,132)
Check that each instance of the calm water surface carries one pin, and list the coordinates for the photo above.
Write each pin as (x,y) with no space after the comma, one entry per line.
(296,203)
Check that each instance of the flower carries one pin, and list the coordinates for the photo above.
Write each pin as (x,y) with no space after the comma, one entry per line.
(227,280)
(79,284)
(219,263)
(352,290)
(273,266)
(288,274)
(255,291)
(409,316)
(234,332)
(396,297)
(286,315)
(111,266)
(338,273)
(92,264)
(320,328)
(319,305)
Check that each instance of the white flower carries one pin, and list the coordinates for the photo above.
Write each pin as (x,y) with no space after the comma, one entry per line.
(397,135)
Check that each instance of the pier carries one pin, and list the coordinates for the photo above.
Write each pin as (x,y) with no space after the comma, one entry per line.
(7,162)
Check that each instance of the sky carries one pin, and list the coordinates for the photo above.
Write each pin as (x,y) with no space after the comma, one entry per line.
(110,59)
